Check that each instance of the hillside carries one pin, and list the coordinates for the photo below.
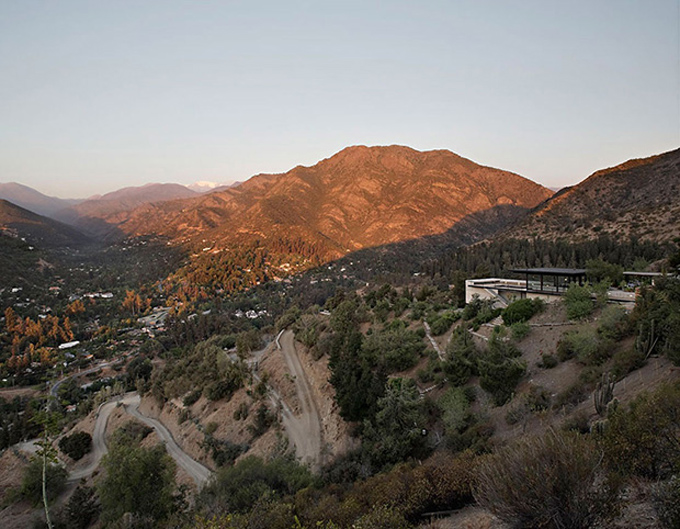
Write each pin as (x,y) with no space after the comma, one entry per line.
(32,200)
(36,229)
(637,198)
(360,197)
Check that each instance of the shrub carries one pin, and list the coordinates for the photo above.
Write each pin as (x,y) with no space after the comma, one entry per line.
(521,311)
(614,323)
(192,397)
(461,358)
(554,481)
(578,301)
(443,323)
(263,420)
(548,361)
(520,330)
(626,361)
(76,445)
(642,440)
(572,396)
(666,499)
(238,488)
(82,508)
(586,345)
(500,379)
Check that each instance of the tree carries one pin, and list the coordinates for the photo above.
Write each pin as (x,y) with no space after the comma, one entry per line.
(82,508)
(76,445)
(396,433)
(137,480)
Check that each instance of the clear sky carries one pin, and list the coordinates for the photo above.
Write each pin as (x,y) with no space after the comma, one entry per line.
(98,95)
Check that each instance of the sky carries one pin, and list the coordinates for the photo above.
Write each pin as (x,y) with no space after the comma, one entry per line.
(98,95)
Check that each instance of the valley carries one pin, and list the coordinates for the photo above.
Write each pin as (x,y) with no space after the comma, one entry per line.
(300,349)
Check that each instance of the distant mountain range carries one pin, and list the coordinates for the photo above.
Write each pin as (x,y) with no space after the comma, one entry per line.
(362,196)
(370,196)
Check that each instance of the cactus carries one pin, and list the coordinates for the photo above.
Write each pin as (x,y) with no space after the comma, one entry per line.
(604,394)
(646,345)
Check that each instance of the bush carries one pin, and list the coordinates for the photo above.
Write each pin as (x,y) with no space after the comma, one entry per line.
(192,397)
(666,499)
(263,420)
(520,330)
(500,379)
(642,440)
(578,301)
(521,311)
(76,445)
(500,370)
(627,361)
(82,508)
(238,488)
(443,323)
(548,361)
(586,345)
(549,482)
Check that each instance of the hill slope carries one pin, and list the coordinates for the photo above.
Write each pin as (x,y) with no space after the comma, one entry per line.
(360,197)
(32,200)
(42,231)
(639,197)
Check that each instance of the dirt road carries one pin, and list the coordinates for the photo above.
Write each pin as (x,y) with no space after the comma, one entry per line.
(303,430)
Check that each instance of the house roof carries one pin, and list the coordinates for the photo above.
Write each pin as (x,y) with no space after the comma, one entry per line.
(551,271)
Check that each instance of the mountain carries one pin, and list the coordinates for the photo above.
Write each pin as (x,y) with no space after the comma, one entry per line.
(640,198)
(18,222)
(360,197)
(209,187)
(33,200)
(88,215)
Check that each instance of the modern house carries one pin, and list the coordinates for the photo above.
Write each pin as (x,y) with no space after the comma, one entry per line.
(548,284)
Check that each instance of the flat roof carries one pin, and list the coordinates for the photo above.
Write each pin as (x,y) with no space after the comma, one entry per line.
(551,271)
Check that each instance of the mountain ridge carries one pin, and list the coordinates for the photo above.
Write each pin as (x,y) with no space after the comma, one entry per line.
(361,196)
(637,198)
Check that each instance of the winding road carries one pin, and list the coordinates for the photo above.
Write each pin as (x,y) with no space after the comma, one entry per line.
(199,473)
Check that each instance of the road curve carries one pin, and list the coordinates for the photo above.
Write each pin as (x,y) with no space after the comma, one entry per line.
(98,441)
(199,473)
(130,401)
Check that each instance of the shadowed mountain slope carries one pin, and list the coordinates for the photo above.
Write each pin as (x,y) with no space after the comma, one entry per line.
(638,198)
(36,229)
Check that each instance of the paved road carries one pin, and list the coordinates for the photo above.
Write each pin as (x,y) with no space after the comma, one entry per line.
(304,430)
(130,401)
(196,470)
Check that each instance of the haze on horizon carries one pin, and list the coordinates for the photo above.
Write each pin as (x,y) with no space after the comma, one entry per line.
(99,96)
